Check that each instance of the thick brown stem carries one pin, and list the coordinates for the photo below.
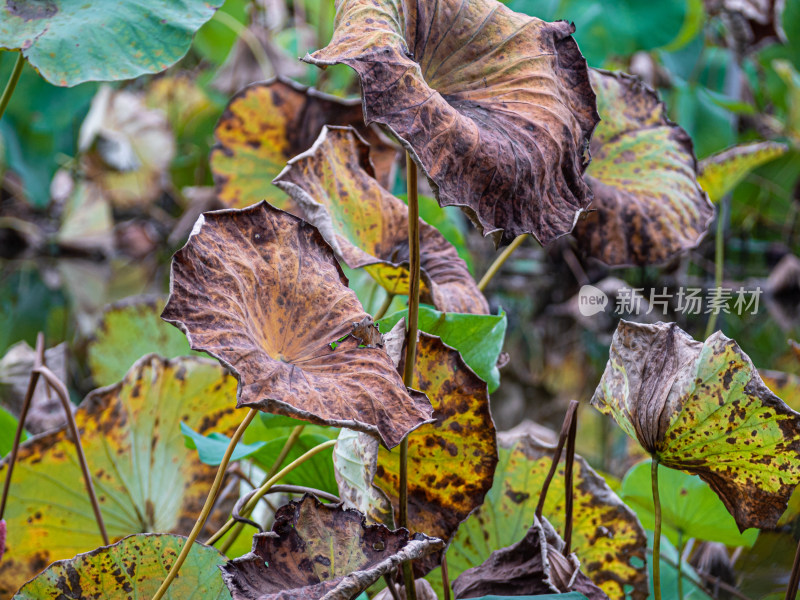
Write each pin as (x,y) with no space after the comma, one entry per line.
(565,429)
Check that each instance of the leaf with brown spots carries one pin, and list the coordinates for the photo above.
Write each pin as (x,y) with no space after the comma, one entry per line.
(320,550)
(703,408)
(784,385)
(451,461)
(494,106)
(607,537)
(266,124)
(144,477)
(720,173)
(648,206)
(132,569)
(367,227)
(260,290)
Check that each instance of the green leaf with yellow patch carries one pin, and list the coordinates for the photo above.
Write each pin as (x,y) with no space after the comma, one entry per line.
(145,479)
(606,536)
(722,172)
(702,407)
(133,568)
(648,206)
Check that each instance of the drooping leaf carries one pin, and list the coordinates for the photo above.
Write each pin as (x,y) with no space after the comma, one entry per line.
(689,508)
(648,204)
(534,565)
(128,330)
(260,290)
(495,107)
(266,124)
(479,338)
(703,408)
(144,477)
(367,227)
(317,550)
(133,568)
(71,41)
(606,537)
(720,173)
(451,461)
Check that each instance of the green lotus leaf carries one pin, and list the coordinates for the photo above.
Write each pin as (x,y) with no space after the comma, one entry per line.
(145,479)
(133,568)
(720,173)
(71,41)
(702,407)
(648,204)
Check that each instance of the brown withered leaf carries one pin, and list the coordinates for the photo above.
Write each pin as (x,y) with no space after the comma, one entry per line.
(750,22)
(266,124)
(320,551)
(260,290)
(367,227)
(703,408)
(494,106)
(451,462)
(534,565)
(648,205)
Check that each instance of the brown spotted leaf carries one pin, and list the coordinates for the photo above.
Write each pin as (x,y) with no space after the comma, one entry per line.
(367,226)
(494,106)
(320,551)
(266,124)
(261,290)
(144,477)
(703,408)
(535,565)
(451,462)
(648,206)
(721,172)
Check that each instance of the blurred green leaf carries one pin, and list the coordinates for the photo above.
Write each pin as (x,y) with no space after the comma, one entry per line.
(692,587)
(8,428)
(214,40)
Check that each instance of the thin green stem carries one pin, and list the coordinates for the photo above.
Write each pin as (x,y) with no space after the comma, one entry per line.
(719,260)
(249,38)
(794,577)
(12,83)
(387,302)
(264,489)
(680,564)
(657,532)
(411,350)
(500,261)
(210,500)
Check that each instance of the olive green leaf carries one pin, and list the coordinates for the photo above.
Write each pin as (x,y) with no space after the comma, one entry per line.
(266,124)
(260,290)
(367,227)
(133,568)
(703,408)
(689,507)
(71,41)
(784,385)
(479,338)
(317,550)
(145,479)
(648,204)
(494,106)
(128,330)
(606,537)
(720,173)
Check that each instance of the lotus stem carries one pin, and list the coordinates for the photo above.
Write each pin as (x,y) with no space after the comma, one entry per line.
(445,576)
(680,564)
(562,437)
(209,504)
(794,578)
(719,260)
(657,532)
(387,302)
(568,479)
(287,447)
(500,261)
(248,38)
(12,83)
(264,489)
(412,324)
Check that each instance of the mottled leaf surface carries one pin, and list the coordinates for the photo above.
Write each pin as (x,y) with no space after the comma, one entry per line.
(495,106)
(720,173)
(607,537)
(648,204)
(702,407)
(132,569)
(70,41)
(451,462)
(266,124)
(128,330)
(367,226)
(316,550)
(261,290)
(144,477)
